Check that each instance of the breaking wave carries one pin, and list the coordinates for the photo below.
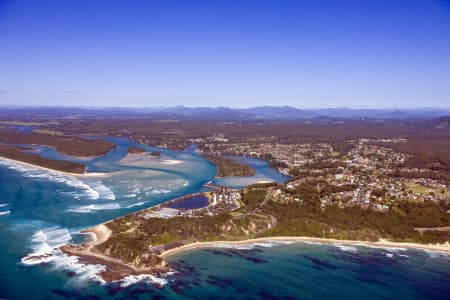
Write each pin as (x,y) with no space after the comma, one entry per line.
(104,191)
(46,244)
(93,208)
(133,279)
(4,213)
(346,248)
(45,250)
(249,246)
(135,204)
(94,190)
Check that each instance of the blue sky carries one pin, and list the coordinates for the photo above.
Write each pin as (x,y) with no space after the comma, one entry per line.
(370,53)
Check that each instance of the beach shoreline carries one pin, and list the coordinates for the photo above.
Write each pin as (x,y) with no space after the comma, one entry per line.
(382,243)
(93,174)
(117,269)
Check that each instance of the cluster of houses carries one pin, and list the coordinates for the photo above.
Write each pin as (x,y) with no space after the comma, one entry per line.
(220,200)
(291,155)
(364,172)
(365,169)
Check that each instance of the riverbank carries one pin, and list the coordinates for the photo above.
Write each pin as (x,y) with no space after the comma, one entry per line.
(28,165)
(379,244)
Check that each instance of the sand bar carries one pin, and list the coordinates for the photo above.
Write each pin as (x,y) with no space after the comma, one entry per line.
(93,174)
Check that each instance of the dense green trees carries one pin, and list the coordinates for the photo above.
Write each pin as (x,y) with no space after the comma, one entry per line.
(356,223)
(229,167)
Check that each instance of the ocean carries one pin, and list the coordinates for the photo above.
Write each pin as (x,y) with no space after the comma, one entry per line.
(41,210)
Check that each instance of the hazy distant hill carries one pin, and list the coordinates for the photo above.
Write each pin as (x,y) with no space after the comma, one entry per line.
(229,114)
(443,123)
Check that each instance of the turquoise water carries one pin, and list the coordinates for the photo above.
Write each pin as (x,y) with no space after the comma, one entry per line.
(42,210)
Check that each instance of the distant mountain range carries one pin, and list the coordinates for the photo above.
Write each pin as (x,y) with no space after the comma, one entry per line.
(229,114)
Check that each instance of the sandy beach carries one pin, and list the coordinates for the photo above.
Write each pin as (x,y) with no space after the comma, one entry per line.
(132,159)
(171,162)
(264,181)
(101,234)
(93,174)
(116,269)
(380,244)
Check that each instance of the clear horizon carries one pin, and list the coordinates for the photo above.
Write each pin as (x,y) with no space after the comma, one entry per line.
(358,54)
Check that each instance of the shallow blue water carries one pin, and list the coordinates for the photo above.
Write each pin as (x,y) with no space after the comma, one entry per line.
(40,210)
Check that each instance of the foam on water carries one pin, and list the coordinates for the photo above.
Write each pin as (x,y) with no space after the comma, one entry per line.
(231,246)
(4,204)
(161,191)
(4,213)
(45,249)
(249,246)
(437,253)
(130,196)
(39,237)
(133,279)
(135,204)
(346,248)
(84,272)
(93,208)
(104,191)
(94,190)
(45,244)
(270,244)
(389,249)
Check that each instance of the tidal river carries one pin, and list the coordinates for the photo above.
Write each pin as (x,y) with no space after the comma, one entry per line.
(41,210)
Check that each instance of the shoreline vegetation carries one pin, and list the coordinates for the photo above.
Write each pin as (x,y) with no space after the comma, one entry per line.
(11,148)
(137,244)
(117,269)
(68,145)
(19,162)
(227,167)
(18,153)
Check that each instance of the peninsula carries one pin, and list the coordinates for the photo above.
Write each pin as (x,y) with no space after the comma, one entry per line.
(20,153)
(140,242)
(14,146)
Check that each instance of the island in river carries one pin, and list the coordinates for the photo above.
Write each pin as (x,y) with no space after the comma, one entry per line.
(228,167)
